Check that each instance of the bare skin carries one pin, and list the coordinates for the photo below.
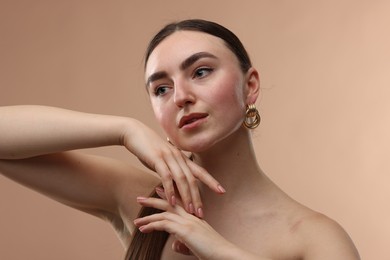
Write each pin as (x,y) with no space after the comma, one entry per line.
(253,219)
(277,227)
(36,151)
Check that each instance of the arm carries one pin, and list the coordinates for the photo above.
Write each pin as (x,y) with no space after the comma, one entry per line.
(89,183)
(34,151)
(28,131)
(37,136)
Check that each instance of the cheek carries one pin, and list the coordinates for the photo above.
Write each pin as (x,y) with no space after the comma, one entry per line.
(229,94)
(163,117)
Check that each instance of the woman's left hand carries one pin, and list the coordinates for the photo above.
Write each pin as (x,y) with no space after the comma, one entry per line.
(195,233)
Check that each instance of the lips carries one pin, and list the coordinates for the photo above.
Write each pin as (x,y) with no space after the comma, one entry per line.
(188,119)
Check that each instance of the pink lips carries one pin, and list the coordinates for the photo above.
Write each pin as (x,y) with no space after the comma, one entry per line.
(188,119)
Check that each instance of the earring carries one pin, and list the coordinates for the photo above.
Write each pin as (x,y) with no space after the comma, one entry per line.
(252,117)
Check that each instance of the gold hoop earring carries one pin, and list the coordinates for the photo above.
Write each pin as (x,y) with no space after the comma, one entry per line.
(252,117)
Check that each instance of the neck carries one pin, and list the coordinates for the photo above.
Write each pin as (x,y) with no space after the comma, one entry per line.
(233,163)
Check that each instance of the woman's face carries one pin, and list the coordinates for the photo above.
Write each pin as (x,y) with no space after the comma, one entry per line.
(196,88)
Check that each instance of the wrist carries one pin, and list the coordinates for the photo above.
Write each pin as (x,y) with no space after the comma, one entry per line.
(128,131)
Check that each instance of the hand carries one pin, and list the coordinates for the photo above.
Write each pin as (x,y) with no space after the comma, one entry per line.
(177,246)
(171,165)
(193,235)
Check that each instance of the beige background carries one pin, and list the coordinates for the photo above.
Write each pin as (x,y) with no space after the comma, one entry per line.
(325,134)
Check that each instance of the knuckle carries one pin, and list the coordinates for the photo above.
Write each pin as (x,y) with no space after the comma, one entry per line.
(192,181)
(165,176)
(181,178)
(164,153)
(161,153)
(164,215)
(176,153)
(199,172)
(163,223)
(188,228)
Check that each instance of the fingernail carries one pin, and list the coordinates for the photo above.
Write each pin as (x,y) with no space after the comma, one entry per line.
(160,193)
(173,200)
(191,208)
(200,212)
(141,228)
(159,189)
(141,199)
(135,221)
(221,189)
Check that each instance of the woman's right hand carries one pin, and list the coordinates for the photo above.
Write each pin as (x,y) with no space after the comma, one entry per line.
(178,173)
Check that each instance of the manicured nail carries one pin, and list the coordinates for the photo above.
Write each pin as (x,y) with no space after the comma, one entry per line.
(200,212)
(159,189)
(135,221)
(141,228)
(221,189)
(160,193)
(139,199)
(191,208)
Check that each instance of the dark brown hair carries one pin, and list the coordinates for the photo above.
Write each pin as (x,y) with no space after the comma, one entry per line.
(150,246)
(212,28)
(147,246)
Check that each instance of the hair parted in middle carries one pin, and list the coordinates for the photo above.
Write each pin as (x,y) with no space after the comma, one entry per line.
(212,28)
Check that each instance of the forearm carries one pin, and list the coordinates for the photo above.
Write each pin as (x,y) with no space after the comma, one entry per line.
(28,131)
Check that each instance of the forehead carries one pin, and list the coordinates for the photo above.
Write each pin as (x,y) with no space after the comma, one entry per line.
(182,44)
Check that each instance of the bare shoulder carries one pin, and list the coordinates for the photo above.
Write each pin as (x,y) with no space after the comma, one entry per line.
(324,238)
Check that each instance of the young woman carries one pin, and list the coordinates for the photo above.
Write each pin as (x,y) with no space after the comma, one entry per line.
(216,203)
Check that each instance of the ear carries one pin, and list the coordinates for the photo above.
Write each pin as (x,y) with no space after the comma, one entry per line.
(252,86)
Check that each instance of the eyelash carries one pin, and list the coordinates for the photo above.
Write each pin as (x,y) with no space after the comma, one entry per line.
(157,90)
(207,69)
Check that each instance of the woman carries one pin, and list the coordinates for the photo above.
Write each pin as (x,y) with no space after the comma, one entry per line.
(202,88)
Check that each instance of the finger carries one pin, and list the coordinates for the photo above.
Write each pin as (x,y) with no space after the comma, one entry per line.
(181,248)
(167,182)
(155,218)
(154,203)
(179,174)
(194,201)
(162,225)
(165,221)
(161,193)
(177,225)
(197,205)
(160,204)
(206,178)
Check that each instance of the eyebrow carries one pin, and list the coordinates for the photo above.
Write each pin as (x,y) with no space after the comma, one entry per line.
(184,65)
(195,57)
(156,76)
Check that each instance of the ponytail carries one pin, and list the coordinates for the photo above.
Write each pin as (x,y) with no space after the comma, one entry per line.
(147,246)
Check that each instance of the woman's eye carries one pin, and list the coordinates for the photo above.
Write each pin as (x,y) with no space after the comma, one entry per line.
(202,72)
(160,90)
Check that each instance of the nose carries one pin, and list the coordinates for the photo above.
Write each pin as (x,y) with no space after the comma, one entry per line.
(183,94)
